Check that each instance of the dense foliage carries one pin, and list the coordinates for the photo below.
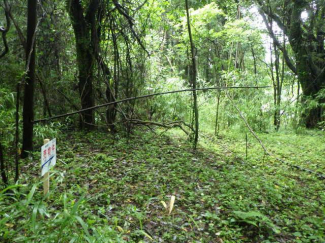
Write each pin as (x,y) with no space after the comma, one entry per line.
(266,63)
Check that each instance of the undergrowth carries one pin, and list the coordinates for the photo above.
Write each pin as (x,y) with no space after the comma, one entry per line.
(111,189)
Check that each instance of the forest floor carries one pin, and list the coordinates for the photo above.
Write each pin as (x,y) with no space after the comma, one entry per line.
(111,189)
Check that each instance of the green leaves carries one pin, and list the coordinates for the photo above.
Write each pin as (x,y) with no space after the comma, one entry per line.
(256,218)
(219,194)
(31,194)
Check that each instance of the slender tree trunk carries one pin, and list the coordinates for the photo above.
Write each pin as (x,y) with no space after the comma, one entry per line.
(254,59)
(277,88)
(273,84)
(277,81)
(17,134)
(46,102)
(2,167)
(193,79)
(112,90)
(216,128)
(28,107)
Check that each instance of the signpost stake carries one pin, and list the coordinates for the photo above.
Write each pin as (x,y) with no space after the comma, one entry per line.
(46,179)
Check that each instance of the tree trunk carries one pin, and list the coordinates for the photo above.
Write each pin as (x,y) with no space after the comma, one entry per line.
(82,26)
(307,42)
(278,89)
(310,76)
(28,107)
(310,116)
(17,134)
(193,79)
(216,127)
(311,84)
(2,167)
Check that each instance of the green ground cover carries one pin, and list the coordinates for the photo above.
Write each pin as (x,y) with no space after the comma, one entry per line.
(107,189)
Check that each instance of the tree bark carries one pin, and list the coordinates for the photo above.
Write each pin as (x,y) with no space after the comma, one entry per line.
(216,127)
(307,42)
(82,25)
(28,106)
(2,167)
(4,30)
(17,134)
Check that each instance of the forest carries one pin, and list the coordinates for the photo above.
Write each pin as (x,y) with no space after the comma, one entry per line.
(162,121)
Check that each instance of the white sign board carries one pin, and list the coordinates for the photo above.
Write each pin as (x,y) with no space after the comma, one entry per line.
(48,156)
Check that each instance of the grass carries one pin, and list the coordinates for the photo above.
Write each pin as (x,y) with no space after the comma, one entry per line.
(107,189)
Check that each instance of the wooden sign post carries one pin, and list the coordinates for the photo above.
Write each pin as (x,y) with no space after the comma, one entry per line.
(48,160)
(46,178)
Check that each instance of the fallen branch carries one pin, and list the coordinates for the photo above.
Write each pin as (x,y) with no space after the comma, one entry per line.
(165,125)
(143,97)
